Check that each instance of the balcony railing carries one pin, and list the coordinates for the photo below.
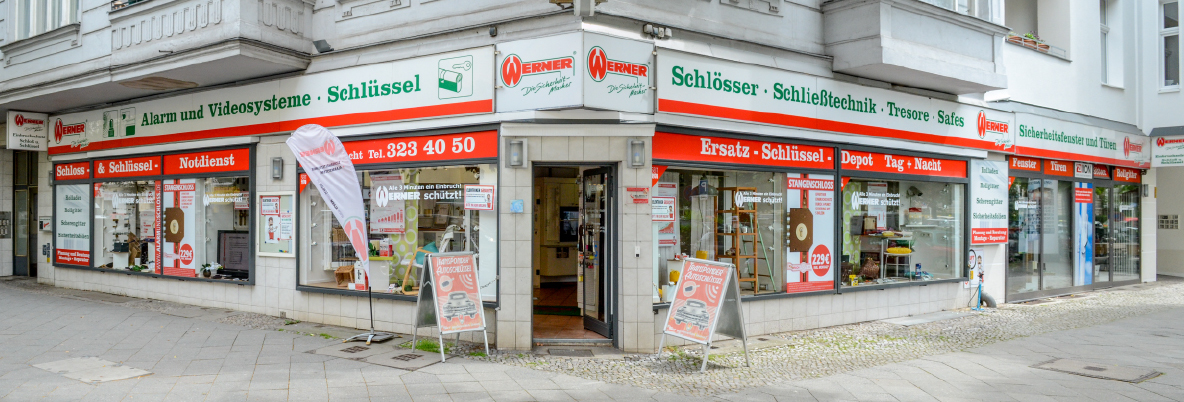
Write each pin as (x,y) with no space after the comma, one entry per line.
(118,4)
(1037,45)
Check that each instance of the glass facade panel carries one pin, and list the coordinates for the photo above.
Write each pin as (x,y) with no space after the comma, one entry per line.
(1102,234)
(126,225)
(411,212)
(1127,233)
(901,231)
(1023,238)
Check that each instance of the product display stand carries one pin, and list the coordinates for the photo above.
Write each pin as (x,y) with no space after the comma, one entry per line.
(740,237)
(724,317)
(430,313)
(371,336)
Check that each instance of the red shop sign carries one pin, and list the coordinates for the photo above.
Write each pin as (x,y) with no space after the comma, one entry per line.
(1101,172)
(127,167)
(424,148)
(1058,168)
(230,160)
(916,165)
(71,171)
(681,147)
(1026,164)
(1127,175)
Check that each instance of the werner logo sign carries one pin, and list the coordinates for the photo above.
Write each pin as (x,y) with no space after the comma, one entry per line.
(1129,147)
(61,130)
(513,69)
(986,125)
(573,70)
(1168,151)
(27,131)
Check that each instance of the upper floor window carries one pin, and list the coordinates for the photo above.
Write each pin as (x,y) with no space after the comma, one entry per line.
(1110,47)
(976,8)
(1169,33)
(35,17)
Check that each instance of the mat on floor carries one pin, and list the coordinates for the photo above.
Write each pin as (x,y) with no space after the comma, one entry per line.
(557,310)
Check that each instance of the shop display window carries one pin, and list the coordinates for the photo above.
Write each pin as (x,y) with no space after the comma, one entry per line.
(411,212)
(897,231)
(72,224)
(206,228)
(125,229)
(776,228)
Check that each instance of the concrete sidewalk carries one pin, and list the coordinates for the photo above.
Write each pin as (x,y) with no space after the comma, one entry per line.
(192,359)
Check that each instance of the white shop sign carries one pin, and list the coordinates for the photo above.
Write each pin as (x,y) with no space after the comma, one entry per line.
(1168,151)
(988,203)
(27,131)
(575,70)
(1046,137)
(709,87)
(447,84)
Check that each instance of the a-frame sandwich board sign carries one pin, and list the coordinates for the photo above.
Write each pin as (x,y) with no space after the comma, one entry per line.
(449,297)
(707,302)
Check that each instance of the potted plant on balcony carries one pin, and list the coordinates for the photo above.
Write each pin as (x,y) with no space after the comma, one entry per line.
(1030,40)
(1015,38)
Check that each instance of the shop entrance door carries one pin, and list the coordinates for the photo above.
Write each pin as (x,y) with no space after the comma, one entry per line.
(1103,205)
(24,213)
(597,253)
(1040,244)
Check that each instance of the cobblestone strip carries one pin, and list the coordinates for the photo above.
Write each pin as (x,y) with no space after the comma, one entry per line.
(835,350)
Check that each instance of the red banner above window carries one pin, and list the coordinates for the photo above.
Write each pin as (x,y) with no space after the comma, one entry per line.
(1128,175)
(899,164)
(424,148)
(681,147)
(1101,172)
(1058,168)
(1025,164)
(127,167)
(230,160)
(71,171)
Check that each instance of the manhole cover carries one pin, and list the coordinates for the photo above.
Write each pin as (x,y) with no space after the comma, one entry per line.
(407,357)
(355,349)
(354,352)
(1095,370)
(570,352)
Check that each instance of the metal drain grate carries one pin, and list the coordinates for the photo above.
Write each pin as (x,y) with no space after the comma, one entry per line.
(407,357)
(1096,370)
(355,349)
(570,352)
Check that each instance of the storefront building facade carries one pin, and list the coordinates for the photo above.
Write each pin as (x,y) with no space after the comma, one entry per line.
(605,159)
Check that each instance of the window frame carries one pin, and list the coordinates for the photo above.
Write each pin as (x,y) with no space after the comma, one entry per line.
(39,17)
(963,275)
(300,226)
(1163,34)
(91,181)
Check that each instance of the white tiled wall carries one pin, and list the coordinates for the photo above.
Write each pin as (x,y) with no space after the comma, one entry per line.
(6,205)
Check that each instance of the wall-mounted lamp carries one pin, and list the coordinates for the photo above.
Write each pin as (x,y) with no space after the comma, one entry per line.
(277,168)
(636,153)
(516,149)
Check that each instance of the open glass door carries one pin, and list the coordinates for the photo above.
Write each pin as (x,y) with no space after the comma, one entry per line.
(596,251)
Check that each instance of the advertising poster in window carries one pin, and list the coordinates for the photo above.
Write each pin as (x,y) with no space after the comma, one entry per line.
(664,206)
(458,304)
(72,229)
(697,301)
(180,229)
(276,224)
(387,206)
(1083,234)
(810,216)
(479,197)
(988,206)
